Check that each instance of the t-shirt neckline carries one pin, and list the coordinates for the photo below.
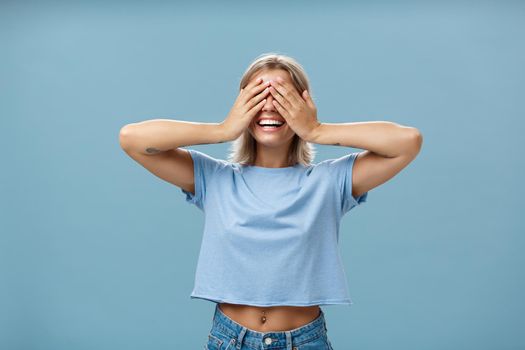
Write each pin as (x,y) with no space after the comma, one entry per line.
(271,170)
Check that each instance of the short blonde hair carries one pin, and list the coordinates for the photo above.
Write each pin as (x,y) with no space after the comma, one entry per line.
(243,148)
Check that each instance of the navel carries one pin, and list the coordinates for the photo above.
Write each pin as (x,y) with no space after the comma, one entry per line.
(263,318)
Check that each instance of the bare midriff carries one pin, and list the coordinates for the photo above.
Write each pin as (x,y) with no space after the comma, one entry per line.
(272,318)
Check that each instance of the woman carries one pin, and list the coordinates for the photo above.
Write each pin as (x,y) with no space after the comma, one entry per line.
(269,256)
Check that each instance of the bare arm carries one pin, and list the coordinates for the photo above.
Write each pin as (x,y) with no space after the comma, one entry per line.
(389,147)
(155,144)
(158,135)
(387,139)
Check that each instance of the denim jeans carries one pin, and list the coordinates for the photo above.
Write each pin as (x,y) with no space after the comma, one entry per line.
(226,334)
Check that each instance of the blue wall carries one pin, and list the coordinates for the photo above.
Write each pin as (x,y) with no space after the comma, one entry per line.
(97,253)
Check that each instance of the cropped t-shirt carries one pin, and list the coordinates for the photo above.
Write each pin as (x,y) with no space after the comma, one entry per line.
(271,234)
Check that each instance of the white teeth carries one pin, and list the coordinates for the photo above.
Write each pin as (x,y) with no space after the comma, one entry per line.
(263,122)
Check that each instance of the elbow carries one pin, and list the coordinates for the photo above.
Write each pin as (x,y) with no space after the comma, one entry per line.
(414,141)
(126,137)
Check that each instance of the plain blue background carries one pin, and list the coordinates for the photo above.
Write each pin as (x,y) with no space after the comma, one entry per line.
(97,253)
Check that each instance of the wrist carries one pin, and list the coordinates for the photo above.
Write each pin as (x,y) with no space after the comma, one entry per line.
(315,132)
(223,134)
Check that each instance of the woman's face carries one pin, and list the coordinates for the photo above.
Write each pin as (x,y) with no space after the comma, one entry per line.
(269,136)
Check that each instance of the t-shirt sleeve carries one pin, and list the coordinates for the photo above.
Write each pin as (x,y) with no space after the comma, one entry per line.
(342,169)
(204,167)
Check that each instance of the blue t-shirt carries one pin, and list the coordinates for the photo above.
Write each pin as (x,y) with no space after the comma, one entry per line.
(271,234)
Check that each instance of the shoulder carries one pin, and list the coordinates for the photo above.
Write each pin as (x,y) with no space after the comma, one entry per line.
(335,164)
(205,160)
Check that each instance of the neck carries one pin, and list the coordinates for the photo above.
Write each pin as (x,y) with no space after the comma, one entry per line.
(272,157)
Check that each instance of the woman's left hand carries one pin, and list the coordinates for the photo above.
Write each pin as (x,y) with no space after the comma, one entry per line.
(299,112)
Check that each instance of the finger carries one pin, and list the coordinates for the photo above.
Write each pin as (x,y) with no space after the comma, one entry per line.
(308,99)
(282,111)
(287,91)
(253,111)
(256,99)
(252,91)
(248,86)
(280,98)
(246,98)
(252,84)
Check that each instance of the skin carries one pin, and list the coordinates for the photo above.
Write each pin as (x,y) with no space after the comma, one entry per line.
(388,148)
(272,150)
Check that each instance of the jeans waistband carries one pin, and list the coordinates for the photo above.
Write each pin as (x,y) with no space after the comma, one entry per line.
(281,339)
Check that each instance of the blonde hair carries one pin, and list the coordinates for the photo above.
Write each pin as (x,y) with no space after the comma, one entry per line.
(243,149)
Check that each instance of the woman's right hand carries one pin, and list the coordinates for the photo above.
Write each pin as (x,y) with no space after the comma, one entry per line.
(248,103)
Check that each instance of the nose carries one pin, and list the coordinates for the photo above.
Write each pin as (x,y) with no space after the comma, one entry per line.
(268,105)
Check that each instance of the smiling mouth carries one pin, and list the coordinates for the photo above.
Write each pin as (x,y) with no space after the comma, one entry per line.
(270,123)
(269,127)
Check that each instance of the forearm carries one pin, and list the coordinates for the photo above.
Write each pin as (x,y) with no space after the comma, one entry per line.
(387,139)
(157,135)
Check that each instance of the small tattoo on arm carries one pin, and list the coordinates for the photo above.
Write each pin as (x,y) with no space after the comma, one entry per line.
(337,144)
(152,150)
